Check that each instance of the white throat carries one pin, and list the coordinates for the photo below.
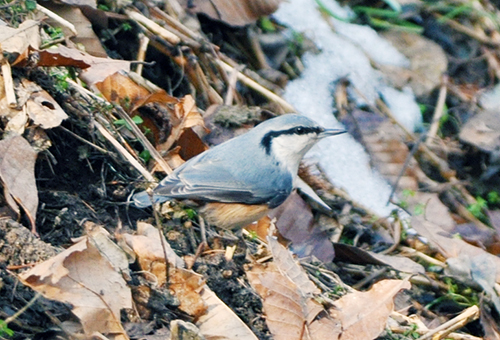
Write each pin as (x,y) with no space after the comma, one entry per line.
(289,151)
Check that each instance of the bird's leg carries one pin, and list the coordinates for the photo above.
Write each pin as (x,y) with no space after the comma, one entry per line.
(204,244)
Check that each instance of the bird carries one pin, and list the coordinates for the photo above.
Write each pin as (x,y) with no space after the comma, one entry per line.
(240,180)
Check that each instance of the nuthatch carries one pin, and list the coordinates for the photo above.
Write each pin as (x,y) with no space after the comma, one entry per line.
(244,177)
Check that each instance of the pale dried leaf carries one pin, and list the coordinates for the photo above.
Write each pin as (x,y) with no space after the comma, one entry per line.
(17,123)
(82,277)
(284,307)
(17,172)
(17,40)
(150,251)
(400,263)
(291,269)
(220,322)
(449,246)
(42,108)
(115,255)
(364,314)
(483,131)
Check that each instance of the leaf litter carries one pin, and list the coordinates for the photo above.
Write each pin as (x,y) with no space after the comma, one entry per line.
(86,165)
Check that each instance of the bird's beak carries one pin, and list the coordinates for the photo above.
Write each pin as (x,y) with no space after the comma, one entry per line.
(331,132)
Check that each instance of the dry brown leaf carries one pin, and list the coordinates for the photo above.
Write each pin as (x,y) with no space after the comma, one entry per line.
(220,322)
(17,40)
(17,123)
(17,172)
(186,116)
(187,286)
(42,108)
(289,315)
(364,315)
(284,306)
(151,257)
(84,278)
(94,69)
(235,12)
(291,269)
(119,88)
(150,252)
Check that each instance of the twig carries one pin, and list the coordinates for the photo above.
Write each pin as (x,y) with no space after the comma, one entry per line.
(468,315)
(231,87)
(438,111)
(138,133)
(408,159)
(482,38)
(102,150)
(153,27)
(124,152)
(141,53)
(10,94)
(22,310)
(57,18)
(259,88)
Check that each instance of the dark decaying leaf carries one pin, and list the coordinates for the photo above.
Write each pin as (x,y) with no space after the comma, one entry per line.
(296,223)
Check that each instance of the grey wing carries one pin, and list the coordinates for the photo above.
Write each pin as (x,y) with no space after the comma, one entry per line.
(210,180)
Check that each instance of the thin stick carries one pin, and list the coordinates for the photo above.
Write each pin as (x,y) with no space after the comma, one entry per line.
(438,111)
(57,18)
(141,53)
(10,94)
(257,87)
(153,27)
(124,152)
(470,314)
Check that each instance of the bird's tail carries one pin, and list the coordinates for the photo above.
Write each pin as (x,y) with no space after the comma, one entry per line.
(143,199)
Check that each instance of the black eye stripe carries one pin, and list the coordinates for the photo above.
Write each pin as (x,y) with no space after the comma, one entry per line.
(298,130)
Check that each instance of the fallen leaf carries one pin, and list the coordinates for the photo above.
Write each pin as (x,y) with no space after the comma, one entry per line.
(220,322)
(295,222)
(449,246)
(150,251)
(17,172)
(483,131)
(235,12)
(185,116)
(42,108)
(290,268)
(94,69)
(364,315)
(84,278)
(17,40)
(289,314)
(187,286)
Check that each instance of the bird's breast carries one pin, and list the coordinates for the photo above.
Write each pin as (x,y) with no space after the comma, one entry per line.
(233,215)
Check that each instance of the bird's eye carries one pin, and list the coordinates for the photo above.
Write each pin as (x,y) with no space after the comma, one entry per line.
(299,130)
